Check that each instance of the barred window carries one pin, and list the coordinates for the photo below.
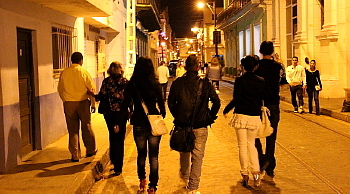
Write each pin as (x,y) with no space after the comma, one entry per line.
(63,45)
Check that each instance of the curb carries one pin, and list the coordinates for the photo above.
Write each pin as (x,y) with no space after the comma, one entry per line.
(86,179)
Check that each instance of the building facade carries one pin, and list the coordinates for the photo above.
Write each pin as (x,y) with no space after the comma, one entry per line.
(304,28)
(38,38)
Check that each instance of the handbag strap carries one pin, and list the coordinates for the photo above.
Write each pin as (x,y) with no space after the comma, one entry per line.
(143,104)
(318,83)
(199,93)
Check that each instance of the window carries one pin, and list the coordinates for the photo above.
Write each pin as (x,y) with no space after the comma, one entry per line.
(322,12)
(292,28)
(63,45)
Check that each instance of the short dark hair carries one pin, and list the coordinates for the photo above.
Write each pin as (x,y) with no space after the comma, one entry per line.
(76,57)
(249,62)
(192,63)
(266,48)
(296,58)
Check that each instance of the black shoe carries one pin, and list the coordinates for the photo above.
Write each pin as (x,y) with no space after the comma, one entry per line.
(74,160)
(92,154)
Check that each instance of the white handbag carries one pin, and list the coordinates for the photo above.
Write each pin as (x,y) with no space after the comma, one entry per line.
(157,122)
(265,130)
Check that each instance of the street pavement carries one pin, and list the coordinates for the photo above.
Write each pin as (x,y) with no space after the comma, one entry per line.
(301,167)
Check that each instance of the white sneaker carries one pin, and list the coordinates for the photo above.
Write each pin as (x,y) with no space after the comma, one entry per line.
(300,110)
(193,192)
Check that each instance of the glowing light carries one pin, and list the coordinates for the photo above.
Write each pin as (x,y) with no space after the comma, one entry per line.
(200,5)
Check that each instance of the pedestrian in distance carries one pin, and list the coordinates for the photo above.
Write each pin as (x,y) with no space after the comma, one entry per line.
(163,76)
(180,71)
(272,72)
(76,89)
(296,77)
(248,96)
(214,72)
(183,94)
(112,94)
(313,86)
(144,87)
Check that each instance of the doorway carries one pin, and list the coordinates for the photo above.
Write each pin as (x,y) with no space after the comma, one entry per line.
(26,88)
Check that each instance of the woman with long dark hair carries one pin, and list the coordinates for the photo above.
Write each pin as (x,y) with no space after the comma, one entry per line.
(313,86)
(112,94)
(144,87)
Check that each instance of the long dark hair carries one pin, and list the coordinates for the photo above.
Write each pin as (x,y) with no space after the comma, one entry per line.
(144,77)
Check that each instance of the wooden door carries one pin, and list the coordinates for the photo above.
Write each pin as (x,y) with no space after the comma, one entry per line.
(25,84)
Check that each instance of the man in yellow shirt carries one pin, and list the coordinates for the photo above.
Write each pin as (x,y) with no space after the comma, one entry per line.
(75,88)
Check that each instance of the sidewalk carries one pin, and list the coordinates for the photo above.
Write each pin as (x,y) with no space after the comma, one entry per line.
(329,106)
(51,171)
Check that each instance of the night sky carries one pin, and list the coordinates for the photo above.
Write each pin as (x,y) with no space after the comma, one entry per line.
(183,15)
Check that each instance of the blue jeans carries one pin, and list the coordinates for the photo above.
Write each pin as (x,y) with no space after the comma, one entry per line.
(268,161)
(193,172)
(144,137)
(313,95)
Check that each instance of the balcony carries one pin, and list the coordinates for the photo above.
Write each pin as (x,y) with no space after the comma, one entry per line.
(236,9)
(148,14)
(79,8)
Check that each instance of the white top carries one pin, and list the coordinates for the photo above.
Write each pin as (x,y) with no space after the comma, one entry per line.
(163,73)
(296,75)
(214,72)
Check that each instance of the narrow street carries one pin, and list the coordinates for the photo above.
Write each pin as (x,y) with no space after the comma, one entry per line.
(311,157)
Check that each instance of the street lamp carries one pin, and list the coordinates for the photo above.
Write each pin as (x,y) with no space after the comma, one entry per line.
(216,33)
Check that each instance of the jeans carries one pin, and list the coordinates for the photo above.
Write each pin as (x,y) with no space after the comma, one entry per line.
(248,154)
(144,137)
(116,140)
(268,161)
(193,171)
(164,88)
(313,95)
(297,91)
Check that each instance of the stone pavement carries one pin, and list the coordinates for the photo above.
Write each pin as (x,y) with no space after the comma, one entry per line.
(51,171)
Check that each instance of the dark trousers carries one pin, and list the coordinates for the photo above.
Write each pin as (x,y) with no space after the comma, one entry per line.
(116,140)
(313,95)
(164,88)
(268,159)
(297,91)
(144,139)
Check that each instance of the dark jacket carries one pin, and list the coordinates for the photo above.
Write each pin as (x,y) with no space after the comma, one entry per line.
(249,92)
(182,98)
(271,71)
(152,98)
(313,78)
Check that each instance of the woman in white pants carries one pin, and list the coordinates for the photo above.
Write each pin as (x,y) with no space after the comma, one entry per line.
(247,101)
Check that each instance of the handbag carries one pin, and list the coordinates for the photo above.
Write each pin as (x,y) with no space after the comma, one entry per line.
(157,123)
(265,130)
(182,138)
(318,86)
